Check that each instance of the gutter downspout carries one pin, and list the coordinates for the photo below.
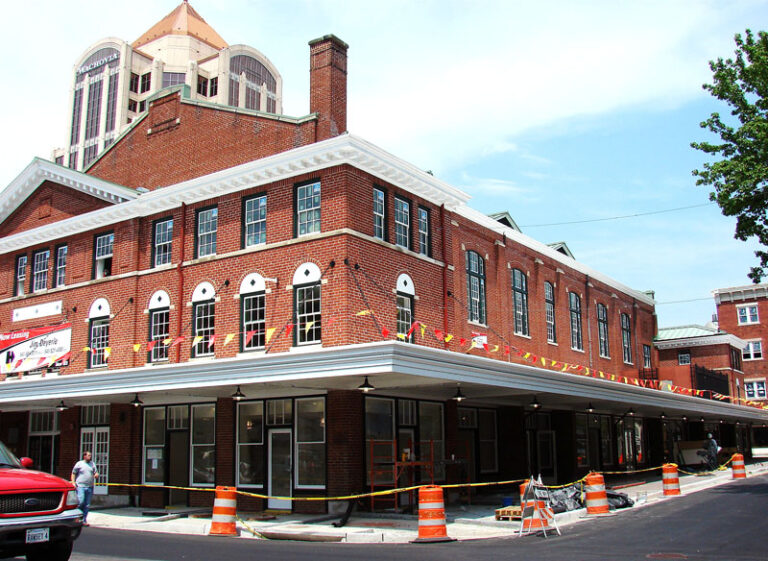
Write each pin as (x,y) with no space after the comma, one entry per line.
(445,274)
(180,269)
(589,325)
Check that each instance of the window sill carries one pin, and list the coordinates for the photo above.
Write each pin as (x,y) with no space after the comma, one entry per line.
(201,358)
(249,353)
(477,324)
(553,343)
(578,350)
(306,347)
(523,335)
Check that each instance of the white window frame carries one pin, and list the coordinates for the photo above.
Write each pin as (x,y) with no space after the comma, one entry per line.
(308,209)
(604,344)
(753,350)
(207,227)
(379,213)
(297,442)
(103,253)
(255,221)
(753,387)
(162,242)
(683,358)
(40,262)
(478,312)
(21,274)
(626,338)
(402,222)
(424,231)
(61,266)
(749,318)
(145,447)
(520,303)
(549,312)
(574,308)
(96,334)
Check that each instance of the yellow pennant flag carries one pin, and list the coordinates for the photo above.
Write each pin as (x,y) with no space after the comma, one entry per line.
(270,333)
(364,313)
(136,347)
(197,339)
(543,361)
(401,336)
(308,327)
(565,367)
(228,338)
(86,349)
(167,341)
(107,352)
(448,338)
(495,349)
(473,345)
(422,330)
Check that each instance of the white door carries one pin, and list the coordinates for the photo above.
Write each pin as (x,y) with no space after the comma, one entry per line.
(96,439)
(280,472)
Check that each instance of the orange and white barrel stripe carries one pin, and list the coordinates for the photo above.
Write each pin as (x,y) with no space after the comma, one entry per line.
(597,499)
(224,510)
(737,465)
(538,520)
(432,515)
(670,480)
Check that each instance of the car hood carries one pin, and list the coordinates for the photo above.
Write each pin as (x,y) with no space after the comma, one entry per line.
(13,479)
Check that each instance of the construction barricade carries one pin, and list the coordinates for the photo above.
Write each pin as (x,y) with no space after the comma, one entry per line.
(737,465)
(224,511)
(597,499)
(432,516)
(531,509)
(670,480)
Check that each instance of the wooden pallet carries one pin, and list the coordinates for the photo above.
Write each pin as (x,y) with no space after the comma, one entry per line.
(509,513)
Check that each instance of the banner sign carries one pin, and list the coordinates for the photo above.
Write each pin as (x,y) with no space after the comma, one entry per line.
(28,349)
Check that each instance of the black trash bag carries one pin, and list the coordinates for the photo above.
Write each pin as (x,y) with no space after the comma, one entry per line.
(565,499)
(618,500)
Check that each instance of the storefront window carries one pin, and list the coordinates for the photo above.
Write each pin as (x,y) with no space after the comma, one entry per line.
(639,448)
(489,461)
(432,442)
(581,441)
(250,443)
(203,444)
(379,434)
(310,442)
(154,445)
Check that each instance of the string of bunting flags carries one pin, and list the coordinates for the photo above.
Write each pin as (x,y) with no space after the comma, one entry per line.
(465,343)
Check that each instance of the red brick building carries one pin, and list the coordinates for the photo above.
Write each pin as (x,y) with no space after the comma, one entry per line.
(231,297)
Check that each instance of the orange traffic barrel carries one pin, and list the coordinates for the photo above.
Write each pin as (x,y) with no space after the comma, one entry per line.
(536,519)
(432,516)
(224,510)
(737,465)
(597,499)
(670,480)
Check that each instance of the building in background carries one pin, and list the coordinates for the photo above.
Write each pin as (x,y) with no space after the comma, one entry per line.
(113,80)
(241,298)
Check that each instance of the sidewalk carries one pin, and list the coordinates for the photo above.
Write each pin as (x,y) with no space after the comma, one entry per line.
(463,522)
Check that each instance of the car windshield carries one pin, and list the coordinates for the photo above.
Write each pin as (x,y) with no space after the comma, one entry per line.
(7,458)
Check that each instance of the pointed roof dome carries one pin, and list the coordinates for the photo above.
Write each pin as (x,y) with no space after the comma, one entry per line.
(184,20)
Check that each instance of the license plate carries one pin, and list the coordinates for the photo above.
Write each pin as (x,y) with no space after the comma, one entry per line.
(37,535)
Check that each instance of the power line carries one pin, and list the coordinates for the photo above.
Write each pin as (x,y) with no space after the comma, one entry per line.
(684,301)
(616,217)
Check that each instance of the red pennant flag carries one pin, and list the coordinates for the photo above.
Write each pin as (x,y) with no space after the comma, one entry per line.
(288,329)
(151,345)
(384,332)
(462,341)
(410,331)
(177,341)
(439,334)
(248,336)
(485,346)
(506,349)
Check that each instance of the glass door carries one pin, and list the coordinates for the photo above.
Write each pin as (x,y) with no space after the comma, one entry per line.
(280,463)
(96,440)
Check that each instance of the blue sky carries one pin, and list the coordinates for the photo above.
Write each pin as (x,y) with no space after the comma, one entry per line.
(555,111)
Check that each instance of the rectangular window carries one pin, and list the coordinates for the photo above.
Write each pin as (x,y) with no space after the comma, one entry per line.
(760,389)
(683,358)
(102,255)
(753,350)
(310,442)
(549,312)
(646,356)
(162,243)
(626,338)
(255,221)
(279,412)
(203,451)
(202,85)
(99,343)
(602,331)
(60,266)
(747,314)
(379,432)
(173,78)
(404,317)
(159,331)
(379,217)
(207,226)
(21,275)
(250,444)
(520,302)
(40,261)
(308,209)
(213,87)
(402,223)
(308,317)
(142,106)
(146,82)
(431,438)
(254,327)
(425,236)
(575,310)
(204,324)
(488,441)
(476,287)
(154,445)
(132,106)
(133,85)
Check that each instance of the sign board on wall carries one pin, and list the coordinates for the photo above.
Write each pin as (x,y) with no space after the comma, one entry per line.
(28,349)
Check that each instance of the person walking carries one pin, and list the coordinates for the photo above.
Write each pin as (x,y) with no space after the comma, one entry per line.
(84,475)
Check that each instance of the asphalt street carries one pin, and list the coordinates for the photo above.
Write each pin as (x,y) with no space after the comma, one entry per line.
(726,523)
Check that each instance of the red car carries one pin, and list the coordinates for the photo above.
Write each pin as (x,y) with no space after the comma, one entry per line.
(39,517)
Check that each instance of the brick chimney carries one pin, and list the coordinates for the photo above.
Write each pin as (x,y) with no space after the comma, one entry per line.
(328,85)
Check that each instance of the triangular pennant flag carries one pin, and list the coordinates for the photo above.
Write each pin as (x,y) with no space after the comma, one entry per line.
(384,332)
(136,347)
(288,329)
(439,334)
(565,367)
(168,341)
(462,341)
(448,338)
(495,349)
(364,313)
(423,329)
(485,346)
(196,340)
(401,336)
(308,326)
(211,341)
(151,344)
(107,352)
(248,336)
(179,339)
(86,349)
(270,332)
(410,331)
(228,338)
(543,361)
(473,344)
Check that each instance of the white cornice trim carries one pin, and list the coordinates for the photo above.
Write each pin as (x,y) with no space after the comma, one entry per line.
(40,170)
(740,293)
(721,339)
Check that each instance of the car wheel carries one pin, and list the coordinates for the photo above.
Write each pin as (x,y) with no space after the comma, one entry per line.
(54,552)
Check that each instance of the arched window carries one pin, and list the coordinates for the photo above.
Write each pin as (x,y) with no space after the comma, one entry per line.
(520,302)
(203,319)
(405,296)
(602,331)
(626,338)
(159,326)
(549,311)
(306,297)
(256,74)
(252,313)
(575,307)
(98,333)
(476,287)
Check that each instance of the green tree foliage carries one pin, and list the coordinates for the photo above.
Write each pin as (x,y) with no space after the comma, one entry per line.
(739,172)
